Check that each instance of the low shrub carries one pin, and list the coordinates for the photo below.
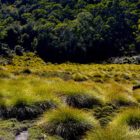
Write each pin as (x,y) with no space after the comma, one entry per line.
(104,114)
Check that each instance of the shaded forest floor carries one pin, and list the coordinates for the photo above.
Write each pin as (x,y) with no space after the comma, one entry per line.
(69,101)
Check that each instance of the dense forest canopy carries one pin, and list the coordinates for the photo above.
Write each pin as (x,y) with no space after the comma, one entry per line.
(70,30)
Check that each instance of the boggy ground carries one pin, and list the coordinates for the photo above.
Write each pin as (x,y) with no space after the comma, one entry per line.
(69,101)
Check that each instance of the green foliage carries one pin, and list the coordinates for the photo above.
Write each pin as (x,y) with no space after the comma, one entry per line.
(81,31)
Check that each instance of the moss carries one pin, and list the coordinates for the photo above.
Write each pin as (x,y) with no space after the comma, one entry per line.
(9,128)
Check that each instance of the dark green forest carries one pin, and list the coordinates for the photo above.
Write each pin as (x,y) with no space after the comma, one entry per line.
(70,30)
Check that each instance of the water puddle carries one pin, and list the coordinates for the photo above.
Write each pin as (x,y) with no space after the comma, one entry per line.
(22,136)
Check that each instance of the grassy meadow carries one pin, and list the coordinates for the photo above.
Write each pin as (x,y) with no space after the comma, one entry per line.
(69,101)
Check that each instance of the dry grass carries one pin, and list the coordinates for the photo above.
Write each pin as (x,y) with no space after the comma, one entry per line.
(29,87)
(129,117)
(69,123)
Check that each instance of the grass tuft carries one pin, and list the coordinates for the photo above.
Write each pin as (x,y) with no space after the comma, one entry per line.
(113,133)
(129,117)
(69,123)
(83,101)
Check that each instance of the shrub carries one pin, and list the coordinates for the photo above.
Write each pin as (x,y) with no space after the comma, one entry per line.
(121,99)
(105,114)
(19,50)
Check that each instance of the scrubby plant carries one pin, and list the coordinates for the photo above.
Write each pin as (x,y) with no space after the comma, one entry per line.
(104,114)
(69,123)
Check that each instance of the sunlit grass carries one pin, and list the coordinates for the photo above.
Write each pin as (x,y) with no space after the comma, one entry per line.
(119,94)
(78,72)
(23,90)
(113,133)
(129,117)
(69,123)
(68,96)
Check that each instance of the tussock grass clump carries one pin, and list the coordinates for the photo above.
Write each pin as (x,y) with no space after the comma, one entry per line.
(124,100)
(83,100)
(26,71)
(78,95)
(119,95)
(79,77)
(129,117)
(5,74)
(137,86)
(21,99)
(69,123)
(113,133)
(22,111)
(136,95)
